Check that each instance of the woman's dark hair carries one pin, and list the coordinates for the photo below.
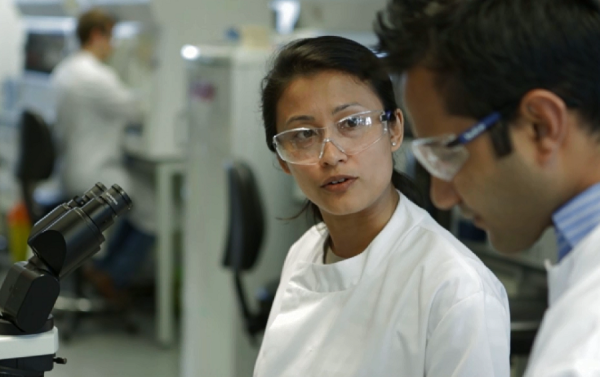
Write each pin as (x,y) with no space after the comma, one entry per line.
(314,55)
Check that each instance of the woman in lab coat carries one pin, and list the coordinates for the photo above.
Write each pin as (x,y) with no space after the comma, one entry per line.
(377,288)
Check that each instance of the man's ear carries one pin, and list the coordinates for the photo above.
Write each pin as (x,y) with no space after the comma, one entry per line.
(546,115)
(396,130)
(284,165)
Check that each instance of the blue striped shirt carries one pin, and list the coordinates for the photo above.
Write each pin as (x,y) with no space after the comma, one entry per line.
(576,219)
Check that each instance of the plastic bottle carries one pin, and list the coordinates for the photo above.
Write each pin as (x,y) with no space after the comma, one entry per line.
(19,228)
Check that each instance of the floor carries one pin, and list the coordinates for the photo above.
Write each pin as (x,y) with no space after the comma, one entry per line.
(102,347)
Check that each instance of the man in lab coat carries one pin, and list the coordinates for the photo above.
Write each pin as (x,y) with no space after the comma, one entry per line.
(93,108)
(504,97)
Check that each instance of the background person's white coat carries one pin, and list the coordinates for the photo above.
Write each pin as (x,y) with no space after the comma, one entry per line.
(415,303)
(93,108)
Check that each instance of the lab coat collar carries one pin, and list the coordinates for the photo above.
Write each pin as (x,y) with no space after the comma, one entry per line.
(577,266)
(86,55)
(311,274)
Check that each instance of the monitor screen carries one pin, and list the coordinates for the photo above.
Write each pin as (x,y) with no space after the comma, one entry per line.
(43,51)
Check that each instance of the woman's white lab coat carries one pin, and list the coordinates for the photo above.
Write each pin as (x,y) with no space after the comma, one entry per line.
(568,343)
(93,108)
(415,303)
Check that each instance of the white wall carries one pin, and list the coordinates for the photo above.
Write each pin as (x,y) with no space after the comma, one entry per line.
(340,15)
(11,40)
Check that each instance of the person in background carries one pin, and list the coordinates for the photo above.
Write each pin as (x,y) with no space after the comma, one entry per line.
(504,96)
(93,108)
(377,287)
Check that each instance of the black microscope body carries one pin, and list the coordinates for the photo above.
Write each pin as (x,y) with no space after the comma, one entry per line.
(61,242)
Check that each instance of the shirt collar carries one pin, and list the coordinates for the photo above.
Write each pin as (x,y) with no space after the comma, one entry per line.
(576,219)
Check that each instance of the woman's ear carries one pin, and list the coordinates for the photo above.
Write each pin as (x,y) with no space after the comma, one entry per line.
(396,130)
(284,165)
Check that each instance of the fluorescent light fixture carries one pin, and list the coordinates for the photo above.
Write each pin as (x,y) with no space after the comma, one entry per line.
(287,13)
(190,52)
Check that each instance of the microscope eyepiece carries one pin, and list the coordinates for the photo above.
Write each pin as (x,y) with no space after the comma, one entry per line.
(117,199)
(103,208)
(95,191)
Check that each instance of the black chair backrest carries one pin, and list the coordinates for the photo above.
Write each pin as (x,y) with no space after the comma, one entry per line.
(37,153)
(36,157)
(246,219)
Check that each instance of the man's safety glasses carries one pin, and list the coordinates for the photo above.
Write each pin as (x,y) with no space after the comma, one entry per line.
(351,135)
(443,156)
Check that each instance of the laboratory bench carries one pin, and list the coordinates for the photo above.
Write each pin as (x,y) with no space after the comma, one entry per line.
(168,177)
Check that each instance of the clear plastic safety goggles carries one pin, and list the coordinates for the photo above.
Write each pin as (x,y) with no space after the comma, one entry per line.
(443,156)
(351,135)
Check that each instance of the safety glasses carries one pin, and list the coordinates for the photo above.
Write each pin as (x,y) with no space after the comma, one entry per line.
(351,135)
(443,156)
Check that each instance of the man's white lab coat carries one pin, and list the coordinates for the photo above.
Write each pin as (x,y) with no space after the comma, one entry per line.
(568,343)
(93,108)
(415,303)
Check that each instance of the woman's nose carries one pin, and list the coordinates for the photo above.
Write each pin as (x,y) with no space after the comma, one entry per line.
(331,153)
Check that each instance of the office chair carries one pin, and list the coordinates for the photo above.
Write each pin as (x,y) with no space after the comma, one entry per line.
(244,240)
(35,162)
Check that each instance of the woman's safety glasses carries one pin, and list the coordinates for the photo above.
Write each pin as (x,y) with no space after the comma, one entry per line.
(351,135)
(443,156)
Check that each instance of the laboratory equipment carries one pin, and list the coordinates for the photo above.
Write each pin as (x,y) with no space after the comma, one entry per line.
(224,124)
(61,242)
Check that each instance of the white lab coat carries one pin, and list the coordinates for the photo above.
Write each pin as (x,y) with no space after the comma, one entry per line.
(93,108)
(415,303)
(568,342)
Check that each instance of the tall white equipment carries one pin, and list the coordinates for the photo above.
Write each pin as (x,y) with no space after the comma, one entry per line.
(225,123)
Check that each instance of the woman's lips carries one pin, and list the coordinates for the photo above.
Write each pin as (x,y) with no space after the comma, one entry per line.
(339,184)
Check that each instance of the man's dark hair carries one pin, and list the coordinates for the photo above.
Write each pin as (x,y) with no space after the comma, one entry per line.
(94,19)
(487,54)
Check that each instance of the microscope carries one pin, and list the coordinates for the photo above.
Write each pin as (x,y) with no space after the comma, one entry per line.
(61,242)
